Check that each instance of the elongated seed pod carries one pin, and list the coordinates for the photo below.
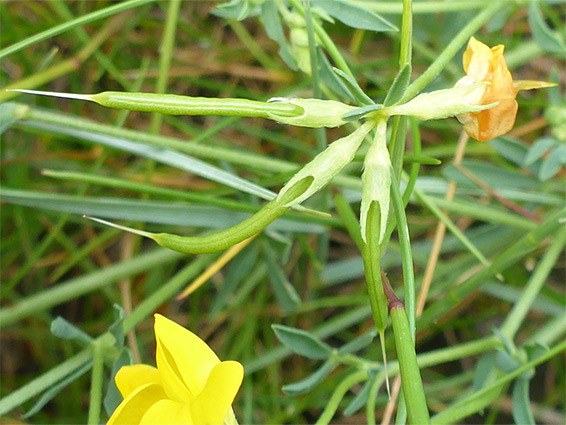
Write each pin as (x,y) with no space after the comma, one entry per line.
(371,254)
(314,113)
(226,238)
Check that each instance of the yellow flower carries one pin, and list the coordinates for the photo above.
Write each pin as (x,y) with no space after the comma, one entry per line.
(189,386)
(485,65)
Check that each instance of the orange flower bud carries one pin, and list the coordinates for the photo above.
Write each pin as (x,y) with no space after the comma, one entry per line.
(485,65)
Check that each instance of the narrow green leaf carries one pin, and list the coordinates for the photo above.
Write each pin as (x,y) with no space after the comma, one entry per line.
(547,39)
(302,342)
(356,114)
(274,30)
(522,414)
(483,371)
(358,343)
(159,212)
(354,15)
(353,87)
(399,85)
(305,385)
(64,329)
(330,79)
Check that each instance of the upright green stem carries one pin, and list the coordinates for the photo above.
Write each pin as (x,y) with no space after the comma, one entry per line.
(95,404)
(411,381)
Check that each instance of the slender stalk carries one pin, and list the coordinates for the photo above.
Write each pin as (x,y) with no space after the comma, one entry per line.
(95,403)
(341,389)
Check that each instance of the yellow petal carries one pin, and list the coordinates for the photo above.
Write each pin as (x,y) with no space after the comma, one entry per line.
(519,85)
(168,412)
(476,60)
(212,405)
(182,357)
(129,378)
(136,404)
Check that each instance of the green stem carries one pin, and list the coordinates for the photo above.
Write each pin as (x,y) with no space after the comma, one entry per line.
(417,410)
(90,17)
(406,34)
(532,288)
(421,7)
(406,254)
(167,44)
(451,50)
(95,404)
(341,389)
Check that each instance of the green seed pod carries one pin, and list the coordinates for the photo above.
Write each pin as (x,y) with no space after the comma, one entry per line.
(313,113)
(225,238)
(327,164)
(376,180)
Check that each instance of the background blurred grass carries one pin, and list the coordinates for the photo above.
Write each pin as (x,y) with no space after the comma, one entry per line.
(233,312)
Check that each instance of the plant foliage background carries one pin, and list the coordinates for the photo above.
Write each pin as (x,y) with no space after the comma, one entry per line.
(292,305)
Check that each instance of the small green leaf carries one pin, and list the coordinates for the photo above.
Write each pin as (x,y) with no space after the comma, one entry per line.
(301,342)
(358,343)
(285,293)
(236,9)
(305,385)
(483,371)
(354,88)
(551,165)
(358,113)
(359,400)
(398,86)
(355,16)
(510,149)
(113,397)
(547,39)
(330,79)
(64,329)
(538,149)
(116,328)
(522,414)
(274,30)
(506,362)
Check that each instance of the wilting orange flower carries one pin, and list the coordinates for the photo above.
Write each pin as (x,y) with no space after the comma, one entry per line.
(485,65)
